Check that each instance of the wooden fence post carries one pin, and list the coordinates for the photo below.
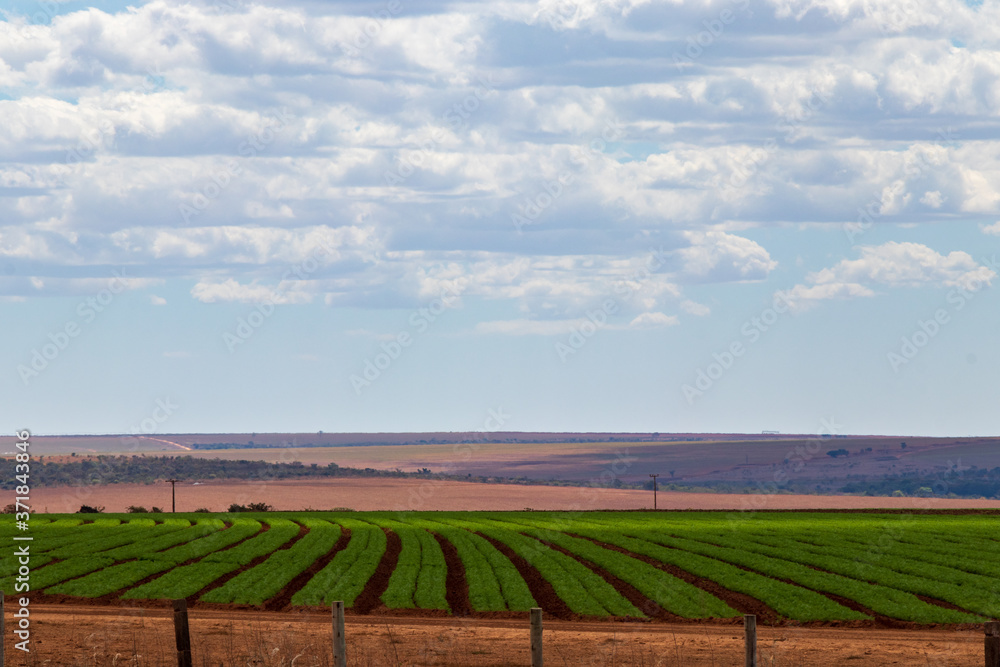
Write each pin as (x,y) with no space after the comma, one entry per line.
(181,634)
(537,657)
(339,640)
(750,628)
(992,629)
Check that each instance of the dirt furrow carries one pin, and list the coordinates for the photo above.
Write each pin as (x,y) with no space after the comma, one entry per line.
(543,592)
(456,585)
(221,581)
(370,598)
(881,619)
(283,600)
(741,602)
(628,591)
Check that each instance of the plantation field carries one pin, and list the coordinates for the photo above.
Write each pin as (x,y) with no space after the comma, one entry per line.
(878,569)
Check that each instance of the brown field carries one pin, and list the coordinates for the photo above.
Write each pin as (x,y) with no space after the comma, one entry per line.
(134,636)
(124,442)
(746,460)
(419,494)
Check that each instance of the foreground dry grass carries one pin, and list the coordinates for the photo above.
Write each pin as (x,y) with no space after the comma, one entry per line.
(431,494)
(144,638)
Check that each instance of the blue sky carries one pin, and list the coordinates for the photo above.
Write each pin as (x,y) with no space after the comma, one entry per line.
(598,215)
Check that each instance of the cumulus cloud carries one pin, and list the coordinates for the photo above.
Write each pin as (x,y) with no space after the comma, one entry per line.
(720,256)
(890,265)
(230,290)
(653,321)
(224,144)
(896,264)
(695,308)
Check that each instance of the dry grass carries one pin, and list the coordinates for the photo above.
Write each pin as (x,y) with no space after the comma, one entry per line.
(145,639)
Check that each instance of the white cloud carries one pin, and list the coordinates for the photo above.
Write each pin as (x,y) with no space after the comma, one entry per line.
(933,198)
(230,290)
(695,308)
(524,327)
(993,229)
(716,255)
(157,300)
(653,321)
(120,118)
(48,286)
(890,265)
(802,297)
(904,264)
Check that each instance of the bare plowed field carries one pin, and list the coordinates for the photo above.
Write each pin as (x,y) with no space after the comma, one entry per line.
(431,494)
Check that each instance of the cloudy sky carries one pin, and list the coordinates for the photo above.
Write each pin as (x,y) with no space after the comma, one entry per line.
(225,215)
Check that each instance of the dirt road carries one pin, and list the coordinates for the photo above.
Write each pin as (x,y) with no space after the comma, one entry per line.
(78,635)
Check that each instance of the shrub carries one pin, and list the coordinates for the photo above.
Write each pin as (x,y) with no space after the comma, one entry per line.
(87,509)
(252,507)
(136,509)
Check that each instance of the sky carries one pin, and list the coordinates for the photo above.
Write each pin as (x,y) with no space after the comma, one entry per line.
(614,215)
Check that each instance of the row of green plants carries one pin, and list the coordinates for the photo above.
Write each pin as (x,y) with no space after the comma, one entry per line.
(798,564)
(345,576)
(261,583)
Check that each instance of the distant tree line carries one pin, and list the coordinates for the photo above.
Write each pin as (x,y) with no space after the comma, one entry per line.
(109,469)
(971,483)
(123,469)
(968,483)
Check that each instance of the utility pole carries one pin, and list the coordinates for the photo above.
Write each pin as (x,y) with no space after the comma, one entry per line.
(654,476)
(173,494)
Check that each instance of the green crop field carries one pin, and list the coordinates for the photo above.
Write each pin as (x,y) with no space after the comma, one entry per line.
(793,566)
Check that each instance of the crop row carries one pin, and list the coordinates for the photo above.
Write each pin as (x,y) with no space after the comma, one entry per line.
(494,582)
(583,591)
(786,599)
(419,578)
(801,565)
(345,576)
(261,583)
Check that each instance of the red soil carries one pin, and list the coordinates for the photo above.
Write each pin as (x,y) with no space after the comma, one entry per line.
(107,636)
(432,494)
